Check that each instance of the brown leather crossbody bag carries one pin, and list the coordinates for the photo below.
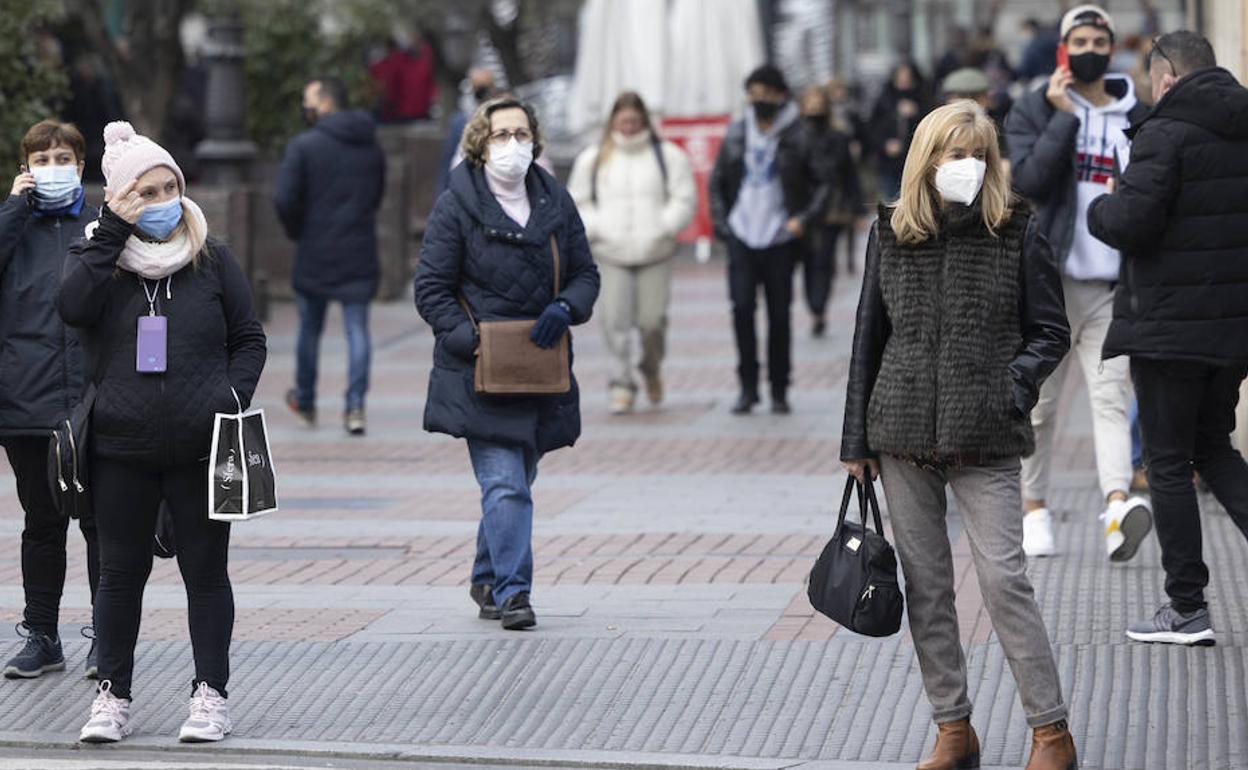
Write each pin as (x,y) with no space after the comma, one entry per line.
(509,364)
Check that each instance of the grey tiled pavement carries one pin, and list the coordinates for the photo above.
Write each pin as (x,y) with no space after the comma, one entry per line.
(671,549)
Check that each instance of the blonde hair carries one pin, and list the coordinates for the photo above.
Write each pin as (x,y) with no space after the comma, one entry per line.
(914,213)
(195,231)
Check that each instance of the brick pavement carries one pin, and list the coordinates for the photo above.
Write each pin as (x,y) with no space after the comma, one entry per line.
(671,548)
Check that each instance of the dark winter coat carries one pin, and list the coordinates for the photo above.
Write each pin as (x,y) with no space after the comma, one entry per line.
(41,365)
(831,148)
(954,337)
(504,271)
(1180,219)
(1043,162)
(214,342)
(797,162)
(327,193)
(887,123)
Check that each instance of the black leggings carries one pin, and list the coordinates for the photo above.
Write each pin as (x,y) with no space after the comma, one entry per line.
(43,536)
(126,498)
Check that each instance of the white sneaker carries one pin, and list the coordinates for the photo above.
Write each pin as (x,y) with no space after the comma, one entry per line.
(1127,523)
(1038,533)
(110,717)
(209,719)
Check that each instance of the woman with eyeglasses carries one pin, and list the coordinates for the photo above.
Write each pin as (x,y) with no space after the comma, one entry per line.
(489,250)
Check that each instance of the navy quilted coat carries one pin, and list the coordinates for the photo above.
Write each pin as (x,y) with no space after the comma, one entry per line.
(214,343)
(505,272)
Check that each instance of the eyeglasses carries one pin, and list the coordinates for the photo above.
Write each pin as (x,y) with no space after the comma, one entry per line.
(1158,51)
(503,136)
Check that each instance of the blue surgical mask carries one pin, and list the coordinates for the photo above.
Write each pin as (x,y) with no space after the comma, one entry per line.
(55,186)
(159,219)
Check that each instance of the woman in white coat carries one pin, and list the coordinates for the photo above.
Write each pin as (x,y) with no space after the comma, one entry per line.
(635,192)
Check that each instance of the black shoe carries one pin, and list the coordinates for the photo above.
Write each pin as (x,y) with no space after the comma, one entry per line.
(484,597)
(517,613)
(819,328)
(41,654)
(780,401)
(92,668)
(745,403)
(307,417)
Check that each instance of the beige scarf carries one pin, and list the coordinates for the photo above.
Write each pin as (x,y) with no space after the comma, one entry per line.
(158,259)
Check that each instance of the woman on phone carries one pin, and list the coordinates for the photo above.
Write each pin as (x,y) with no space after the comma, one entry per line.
(167,321)
(959,322)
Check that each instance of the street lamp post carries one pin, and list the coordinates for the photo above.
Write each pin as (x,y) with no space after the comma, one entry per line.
(225,154)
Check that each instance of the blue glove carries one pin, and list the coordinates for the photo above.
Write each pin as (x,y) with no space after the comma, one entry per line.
(551,325)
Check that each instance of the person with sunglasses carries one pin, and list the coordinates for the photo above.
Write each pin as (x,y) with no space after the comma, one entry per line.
(489,254)
(1180,216)
(1065,141)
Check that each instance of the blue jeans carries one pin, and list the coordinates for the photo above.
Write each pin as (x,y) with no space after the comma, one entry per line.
(505,536)
(308,350)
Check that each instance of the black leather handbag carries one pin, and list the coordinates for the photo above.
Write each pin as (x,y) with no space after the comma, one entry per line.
(854,581)
(67,460)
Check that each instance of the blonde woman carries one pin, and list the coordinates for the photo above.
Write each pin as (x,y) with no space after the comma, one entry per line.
(150,257)
(635,192)
(959,322)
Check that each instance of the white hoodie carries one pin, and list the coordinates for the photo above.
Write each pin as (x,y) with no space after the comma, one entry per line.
(635,220)
(1099,141)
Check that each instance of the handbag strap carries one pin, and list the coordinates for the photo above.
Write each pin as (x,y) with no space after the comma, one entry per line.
(866,499)
(554,255)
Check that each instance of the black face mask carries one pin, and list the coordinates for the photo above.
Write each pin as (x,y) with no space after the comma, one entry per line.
(309,116)
(817,120)
(1089,67)
(481,94)
(767,111)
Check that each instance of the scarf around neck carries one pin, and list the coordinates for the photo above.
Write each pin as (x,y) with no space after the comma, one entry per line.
(159,259)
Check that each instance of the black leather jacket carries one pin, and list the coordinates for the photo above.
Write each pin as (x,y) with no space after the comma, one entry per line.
(1045,333)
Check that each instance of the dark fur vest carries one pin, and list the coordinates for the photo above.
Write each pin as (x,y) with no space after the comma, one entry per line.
(944,391)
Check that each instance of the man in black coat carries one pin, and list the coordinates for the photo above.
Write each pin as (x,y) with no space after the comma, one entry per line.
(765,190)
(327,193)
(1180,217)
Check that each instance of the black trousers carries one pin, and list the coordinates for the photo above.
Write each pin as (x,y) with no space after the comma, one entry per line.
(44,535)
(126,498)
(772,268)
(1187,413)
(820,267)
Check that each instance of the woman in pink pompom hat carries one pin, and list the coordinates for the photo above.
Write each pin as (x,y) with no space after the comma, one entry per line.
(167,322)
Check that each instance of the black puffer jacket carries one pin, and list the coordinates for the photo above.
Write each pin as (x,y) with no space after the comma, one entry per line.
(954,337)
(327,193)
(1043,160)
(41,369)
(214,342)
(798,162)
(504,272)
(1181,222)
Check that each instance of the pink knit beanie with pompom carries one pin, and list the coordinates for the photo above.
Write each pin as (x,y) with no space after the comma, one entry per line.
(128,156)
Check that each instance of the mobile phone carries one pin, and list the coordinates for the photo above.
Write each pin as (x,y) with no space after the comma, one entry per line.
(1063,56)
(150,352)
(30,194)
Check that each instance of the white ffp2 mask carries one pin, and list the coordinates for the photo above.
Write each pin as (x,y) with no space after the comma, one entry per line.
(510,161)
(959,181)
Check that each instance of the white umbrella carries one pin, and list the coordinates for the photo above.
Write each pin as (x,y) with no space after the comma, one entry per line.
(621,46)
(713,45)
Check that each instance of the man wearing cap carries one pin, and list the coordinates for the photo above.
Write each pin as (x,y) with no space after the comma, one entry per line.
(1067,142)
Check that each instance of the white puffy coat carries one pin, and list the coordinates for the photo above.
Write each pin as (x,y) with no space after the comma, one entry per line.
(633,223)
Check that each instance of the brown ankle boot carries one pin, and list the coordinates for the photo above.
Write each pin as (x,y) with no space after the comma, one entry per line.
(1052,748)
(957,748)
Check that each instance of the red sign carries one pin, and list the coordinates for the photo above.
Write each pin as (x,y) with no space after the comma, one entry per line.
(700,137)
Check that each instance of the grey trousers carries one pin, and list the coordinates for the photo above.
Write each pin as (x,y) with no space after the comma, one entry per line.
(989,499)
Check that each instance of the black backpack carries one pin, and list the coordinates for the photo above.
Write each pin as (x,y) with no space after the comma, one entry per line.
(854,581)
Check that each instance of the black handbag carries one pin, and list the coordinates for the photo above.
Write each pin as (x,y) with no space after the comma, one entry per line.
(854,581)
(67,460)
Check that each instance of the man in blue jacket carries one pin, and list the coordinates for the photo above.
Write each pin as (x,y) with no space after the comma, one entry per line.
(328,190)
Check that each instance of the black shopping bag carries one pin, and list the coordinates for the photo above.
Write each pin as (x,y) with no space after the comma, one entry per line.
(854,581)
(242,482)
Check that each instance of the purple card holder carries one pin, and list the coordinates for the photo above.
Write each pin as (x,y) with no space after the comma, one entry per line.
(152,344)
